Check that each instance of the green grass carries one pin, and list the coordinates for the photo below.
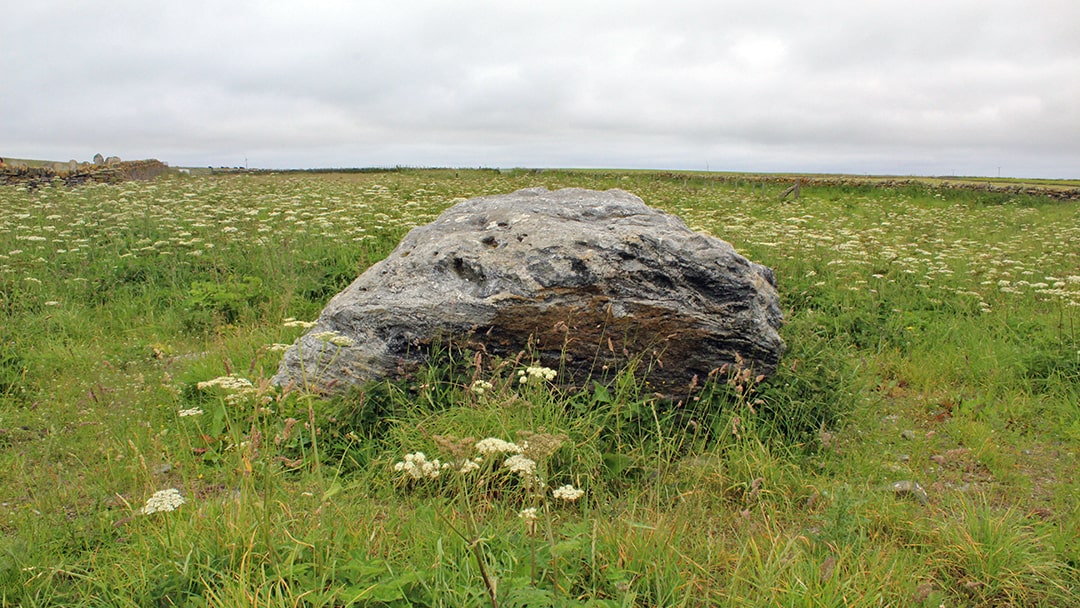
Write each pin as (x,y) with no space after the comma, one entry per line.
(933,338)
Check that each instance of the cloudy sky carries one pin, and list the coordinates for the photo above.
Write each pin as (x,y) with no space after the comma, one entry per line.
(926,87)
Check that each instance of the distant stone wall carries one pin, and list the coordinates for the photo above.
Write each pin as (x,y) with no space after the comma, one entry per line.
(73,174)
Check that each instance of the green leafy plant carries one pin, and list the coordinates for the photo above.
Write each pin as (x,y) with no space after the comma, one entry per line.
(210,303)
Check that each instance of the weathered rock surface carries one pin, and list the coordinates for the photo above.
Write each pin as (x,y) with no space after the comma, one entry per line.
(580,279)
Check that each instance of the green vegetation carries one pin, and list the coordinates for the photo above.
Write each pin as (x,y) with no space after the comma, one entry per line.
(918,447)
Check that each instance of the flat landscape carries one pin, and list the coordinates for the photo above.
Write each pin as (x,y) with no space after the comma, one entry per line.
(918,447)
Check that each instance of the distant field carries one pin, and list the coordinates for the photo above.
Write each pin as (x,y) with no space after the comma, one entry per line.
(919,446)
(1055,184)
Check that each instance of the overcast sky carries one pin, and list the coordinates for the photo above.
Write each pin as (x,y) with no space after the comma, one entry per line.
(927,87)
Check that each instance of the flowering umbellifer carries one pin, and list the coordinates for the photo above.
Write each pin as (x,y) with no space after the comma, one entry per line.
(521,465)
(536,372)
(417,466)
(163,501)
(568,493)
(494,445)
(229,383)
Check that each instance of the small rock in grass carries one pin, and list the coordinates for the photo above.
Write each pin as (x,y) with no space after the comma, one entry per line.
(910,489)
(908,434)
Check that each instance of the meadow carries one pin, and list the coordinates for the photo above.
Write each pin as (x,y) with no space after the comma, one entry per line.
(919,446)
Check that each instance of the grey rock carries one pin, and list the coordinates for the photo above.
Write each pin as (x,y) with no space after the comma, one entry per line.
(908,435)
(580,280)
(912,490)
(99,159)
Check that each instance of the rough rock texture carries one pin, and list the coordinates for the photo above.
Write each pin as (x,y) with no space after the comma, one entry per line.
(580,279)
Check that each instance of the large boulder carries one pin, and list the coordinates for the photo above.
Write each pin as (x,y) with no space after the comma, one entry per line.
(581,280)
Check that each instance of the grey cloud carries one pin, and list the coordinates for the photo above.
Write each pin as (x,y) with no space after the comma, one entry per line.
(841,85)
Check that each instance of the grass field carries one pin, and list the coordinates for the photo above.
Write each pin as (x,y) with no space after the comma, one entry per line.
(919,446)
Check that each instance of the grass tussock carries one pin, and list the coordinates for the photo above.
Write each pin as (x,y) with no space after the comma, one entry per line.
(918,446)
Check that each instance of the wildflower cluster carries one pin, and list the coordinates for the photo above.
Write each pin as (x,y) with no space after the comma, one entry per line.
(333,337)
(481,386)
(521,459)
(163,501)
(291,322)
(494,445)
(568,493)
(518,463)
(229,383)
(239,389)
(529,516)
(537,373)
(417,466)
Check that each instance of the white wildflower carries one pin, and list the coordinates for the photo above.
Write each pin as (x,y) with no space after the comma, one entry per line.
(278,347)
(230,382)
(343,341)
(529,517)
(241,394)
(481,386)
(417,466)
(163,501)
(517,463)
(192,412)
(468,466)
(567,492)
(494,445)
(291,322)
(536,372)
(333,337)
